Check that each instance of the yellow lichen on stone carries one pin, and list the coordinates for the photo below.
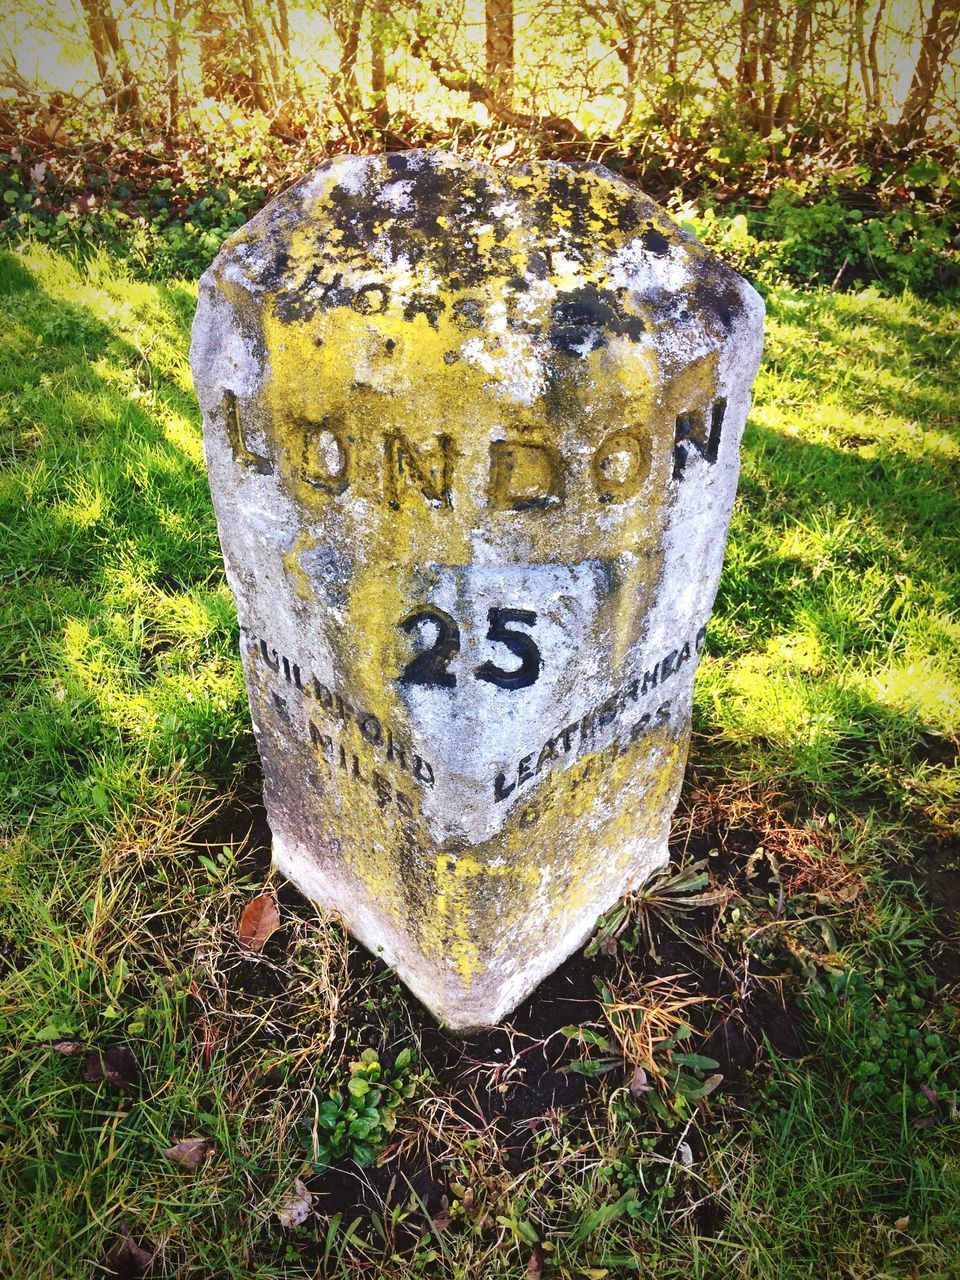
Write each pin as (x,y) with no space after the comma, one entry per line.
(296,573)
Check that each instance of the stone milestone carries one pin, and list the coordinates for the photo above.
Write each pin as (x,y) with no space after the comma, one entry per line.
(472,437)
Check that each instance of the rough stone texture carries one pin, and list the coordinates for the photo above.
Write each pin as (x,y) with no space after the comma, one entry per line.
(472,437)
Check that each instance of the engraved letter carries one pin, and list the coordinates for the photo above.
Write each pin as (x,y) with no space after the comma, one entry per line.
(430,470)
(324,460)
(620,466)
(262,466)
(524,475)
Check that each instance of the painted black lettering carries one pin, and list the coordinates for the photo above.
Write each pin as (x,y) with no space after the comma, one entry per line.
(716,425)
(395,752)
(519,643)
(547,752)
(692,433)
(321,740)
(423,770)
(607,711)
(274,662)
(429,667)
(500,788)
(383,789)
(639,727)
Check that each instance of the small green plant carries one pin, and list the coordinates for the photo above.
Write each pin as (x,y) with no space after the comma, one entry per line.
(354,1123)
(667,896)
(891,1040)
(647,1036)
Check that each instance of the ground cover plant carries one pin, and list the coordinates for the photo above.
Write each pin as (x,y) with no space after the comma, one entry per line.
(752,1069)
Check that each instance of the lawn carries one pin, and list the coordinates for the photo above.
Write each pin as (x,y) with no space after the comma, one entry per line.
(754,1068)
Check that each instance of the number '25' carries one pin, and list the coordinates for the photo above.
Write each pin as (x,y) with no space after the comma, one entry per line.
(429,667)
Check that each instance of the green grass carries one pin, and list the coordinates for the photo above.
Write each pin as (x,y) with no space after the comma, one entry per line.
(827,721)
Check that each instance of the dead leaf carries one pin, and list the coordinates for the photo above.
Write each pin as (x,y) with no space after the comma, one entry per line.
(930,1094)
(711,1083)
(638,1083)
(296,1207)
(126,1260)
(259,920)
(901,1224)
(535,1265)
(68,1047)
(441,1219)
(116,1065)
(190,1153)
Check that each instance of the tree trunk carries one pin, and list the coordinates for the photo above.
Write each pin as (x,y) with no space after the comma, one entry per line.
(936,46)
(257,89)
(499,29)
(347,18)
(794,72)
(173,67)
(129,97)
(676,31)
(378,62)
(98,41)
(770,25)
(283,29)
(107,48)
(873,101)
(747,61)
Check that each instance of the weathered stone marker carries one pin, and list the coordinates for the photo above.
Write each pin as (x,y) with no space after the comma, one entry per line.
(472,437)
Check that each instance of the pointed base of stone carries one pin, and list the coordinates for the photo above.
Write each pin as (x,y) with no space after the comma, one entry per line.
(510,978)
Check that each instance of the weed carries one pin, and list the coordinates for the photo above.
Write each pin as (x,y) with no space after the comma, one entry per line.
(355,1123)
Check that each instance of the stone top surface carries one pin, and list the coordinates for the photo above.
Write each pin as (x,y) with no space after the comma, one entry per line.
(528,265)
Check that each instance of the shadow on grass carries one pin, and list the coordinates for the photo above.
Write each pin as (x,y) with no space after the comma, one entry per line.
(118,628)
